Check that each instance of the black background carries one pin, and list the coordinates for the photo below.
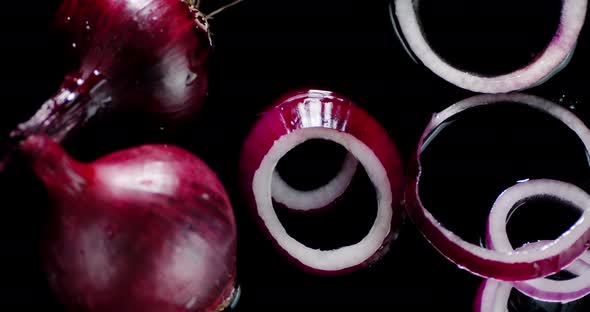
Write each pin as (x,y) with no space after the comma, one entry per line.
(262,50)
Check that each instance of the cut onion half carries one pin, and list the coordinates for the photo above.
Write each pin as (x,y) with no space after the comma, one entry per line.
(315,114)
(484,262)
(320,197)
(497,236)
(555,56)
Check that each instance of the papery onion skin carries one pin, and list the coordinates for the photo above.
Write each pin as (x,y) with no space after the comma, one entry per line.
(149,228)
(478,260)
(302,115)
(550,61)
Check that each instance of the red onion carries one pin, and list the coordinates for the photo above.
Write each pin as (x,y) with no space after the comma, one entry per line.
(550,61)
(497,237)
(148,228)
(318,198)
(490,263)
(149,56)
(314,114)
(493,295)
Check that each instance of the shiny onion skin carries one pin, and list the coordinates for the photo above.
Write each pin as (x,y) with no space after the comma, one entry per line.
(316,114)
(489,263)
(554,58)
(149,228)
(147,56)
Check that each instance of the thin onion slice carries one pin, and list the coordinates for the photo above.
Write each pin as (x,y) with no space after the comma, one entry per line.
(314,114)
(551,60)
(317,198)
(493,295)
(497,237)
(482,261)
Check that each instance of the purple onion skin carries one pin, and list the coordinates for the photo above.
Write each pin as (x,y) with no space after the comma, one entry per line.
(154,52)
(149,228)
(149,57)
(286,115)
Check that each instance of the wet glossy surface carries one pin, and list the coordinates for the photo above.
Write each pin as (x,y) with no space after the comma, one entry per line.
(291,119)
(149,226)
(263,49)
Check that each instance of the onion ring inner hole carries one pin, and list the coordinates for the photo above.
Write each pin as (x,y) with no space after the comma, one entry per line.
(490,37)
(344,222)
(311,164)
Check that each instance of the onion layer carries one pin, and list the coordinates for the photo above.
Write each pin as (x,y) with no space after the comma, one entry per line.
(552,59)
(319,197)
(313,114)
(490,263)
(497,237)
(493,295)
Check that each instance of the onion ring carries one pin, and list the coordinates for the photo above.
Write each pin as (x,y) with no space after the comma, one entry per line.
(555,56)
(314,114)
(497,237)
(493,295)
(317,198)
(481,261)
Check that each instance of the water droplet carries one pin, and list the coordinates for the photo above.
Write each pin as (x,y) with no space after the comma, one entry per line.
(191,78)
(88,27)
(205,196)
(80,82)
(191,303)
(74,45)
(68,19)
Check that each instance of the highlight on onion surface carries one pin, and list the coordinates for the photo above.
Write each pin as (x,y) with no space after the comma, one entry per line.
(505,264)
(151,54)
(490,46)
(148,228)
(308,115)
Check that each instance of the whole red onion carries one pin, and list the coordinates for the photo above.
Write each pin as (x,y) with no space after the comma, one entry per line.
(147,56)
(149,228)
